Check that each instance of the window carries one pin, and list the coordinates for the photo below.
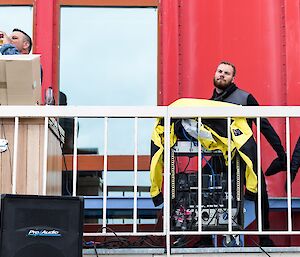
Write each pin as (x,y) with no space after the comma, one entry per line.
(16,17)
(108,56)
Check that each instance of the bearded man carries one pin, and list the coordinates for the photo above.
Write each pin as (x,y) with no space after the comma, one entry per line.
(226,91)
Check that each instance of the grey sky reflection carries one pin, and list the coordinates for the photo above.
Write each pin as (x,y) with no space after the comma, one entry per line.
(16,17)
(108,56)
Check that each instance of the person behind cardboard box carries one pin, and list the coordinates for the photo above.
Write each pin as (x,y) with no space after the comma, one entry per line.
(17,43)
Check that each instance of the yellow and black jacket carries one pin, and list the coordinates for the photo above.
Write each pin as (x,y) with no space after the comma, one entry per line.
(242,141)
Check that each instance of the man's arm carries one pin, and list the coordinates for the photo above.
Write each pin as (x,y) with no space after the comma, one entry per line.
(8,48)
(276,166)
(268,131)
(295,162)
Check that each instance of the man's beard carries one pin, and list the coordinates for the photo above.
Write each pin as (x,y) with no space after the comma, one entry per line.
(221,84)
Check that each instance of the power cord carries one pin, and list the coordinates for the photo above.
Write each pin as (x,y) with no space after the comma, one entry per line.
(119,242)
(91,243)
(253,241)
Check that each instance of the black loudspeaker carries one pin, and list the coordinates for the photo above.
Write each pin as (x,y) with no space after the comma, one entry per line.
(41,226)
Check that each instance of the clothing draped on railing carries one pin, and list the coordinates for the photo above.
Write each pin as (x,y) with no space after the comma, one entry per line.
(242,141)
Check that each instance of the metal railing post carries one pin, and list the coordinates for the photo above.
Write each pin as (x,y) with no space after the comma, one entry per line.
(135,167)
(259,211)
(167,213)
(105,175)
(289,186)
(15,157)
(44,187)
(229,175)
(74,192)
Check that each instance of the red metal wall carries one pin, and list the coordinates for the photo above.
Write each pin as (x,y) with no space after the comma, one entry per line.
(46,41)
(260,37)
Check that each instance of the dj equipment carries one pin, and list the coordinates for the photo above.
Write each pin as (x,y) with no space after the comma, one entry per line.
(35,226)
(214,193)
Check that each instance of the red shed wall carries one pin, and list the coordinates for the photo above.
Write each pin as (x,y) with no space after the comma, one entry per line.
(260,37)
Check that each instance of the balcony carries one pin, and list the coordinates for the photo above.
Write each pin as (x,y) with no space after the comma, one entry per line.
(148,230)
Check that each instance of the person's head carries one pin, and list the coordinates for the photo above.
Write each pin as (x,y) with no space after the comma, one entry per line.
(224,75)
(21,40)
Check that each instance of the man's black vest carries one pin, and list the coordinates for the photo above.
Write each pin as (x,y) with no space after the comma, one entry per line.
(232,94)
(237,97)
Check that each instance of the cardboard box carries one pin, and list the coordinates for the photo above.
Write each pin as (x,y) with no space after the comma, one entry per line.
(20,79)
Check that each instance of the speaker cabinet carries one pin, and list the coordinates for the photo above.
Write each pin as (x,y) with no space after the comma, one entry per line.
(41,226)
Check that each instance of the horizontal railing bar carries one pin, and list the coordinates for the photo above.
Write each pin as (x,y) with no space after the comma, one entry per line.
(83,111)
(279,232)
(147,111)
(126,234)
(235,111)
(195,233)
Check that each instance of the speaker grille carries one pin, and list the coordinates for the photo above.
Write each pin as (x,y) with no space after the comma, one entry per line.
(36,217)
(39,250)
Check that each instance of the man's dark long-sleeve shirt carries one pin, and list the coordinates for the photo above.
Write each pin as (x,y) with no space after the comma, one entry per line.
(266,128)
(295,163)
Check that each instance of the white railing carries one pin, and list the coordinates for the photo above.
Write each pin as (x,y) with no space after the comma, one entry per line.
(287,112)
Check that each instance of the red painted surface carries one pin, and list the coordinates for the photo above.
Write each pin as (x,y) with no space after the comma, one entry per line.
(292,25)
(247,35)
(261,38)
(278,221)
(168,47)
(43,42)
(294,240)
